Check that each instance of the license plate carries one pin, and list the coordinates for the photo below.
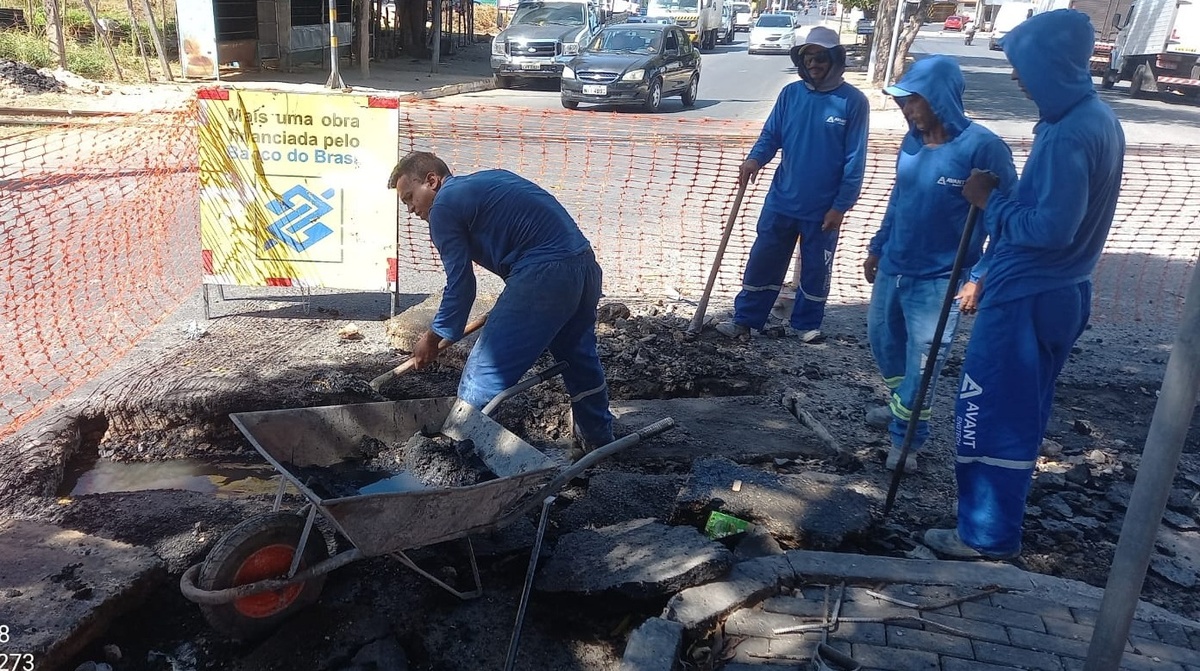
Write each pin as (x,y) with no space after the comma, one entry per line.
(595,90)
(531,66)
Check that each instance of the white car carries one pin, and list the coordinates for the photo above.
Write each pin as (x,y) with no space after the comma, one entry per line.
(772,33)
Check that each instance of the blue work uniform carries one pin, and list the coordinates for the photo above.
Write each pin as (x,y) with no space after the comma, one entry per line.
(919,237)
(1045,241)
(517,230)
(823,136)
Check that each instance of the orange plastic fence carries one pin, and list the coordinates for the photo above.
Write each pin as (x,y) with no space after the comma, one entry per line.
(99,236)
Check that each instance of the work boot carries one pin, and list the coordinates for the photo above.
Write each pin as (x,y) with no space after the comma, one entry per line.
(810,336)
(946,542)
(879,417)
(910,462)
(583,445)
(731,329)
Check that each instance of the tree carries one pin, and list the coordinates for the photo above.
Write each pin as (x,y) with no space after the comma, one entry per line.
(411,16)
(884,20)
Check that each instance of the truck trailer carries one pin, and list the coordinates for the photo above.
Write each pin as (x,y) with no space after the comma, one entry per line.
(1156,48)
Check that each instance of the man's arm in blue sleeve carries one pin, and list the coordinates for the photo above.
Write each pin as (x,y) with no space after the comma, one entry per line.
(449,234)
(856,155)
(1061,201)
(996,158)
(769,139)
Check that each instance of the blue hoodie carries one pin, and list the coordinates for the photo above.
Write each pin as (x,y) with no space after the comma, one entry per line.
(501,221)
(1050,234)
(926,215)
(823,135)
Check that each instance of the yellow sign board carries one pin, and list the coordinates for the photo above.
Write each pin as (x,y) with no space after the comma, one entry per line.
(292,188)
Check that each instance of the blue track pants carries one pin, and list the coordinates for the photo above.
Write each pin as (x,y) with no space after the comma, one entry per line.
(1005,397)
(770,258)
(901,322)
(545,306)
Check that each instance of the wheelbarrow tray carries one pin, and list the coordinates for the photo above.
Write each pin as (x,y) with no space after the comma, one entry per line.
(385,523)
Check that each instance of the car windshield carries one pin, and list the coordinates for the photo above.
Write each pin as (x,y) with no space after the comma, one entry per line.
(664,6)
(627,40)
(739,8)
(774,21)
(549,13)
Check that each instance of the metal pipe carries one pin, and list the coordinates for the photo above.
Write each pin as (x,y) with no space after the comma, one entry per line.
(515,642)
(1164,442)
(891,62)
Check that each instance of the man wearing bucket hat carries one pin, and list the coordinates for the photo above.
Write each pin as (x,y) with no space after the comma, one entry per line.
(910,259)
(1035,299)
(820,124)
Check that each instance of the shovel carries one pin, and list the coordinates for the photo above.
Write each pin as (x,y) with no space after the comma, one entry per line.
(409,363)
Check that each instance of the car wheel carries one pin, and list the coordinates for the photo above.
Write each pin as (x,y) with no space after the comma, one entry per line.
(654,96)
(692,90)
(502,82)
(570,104)
(1108,80)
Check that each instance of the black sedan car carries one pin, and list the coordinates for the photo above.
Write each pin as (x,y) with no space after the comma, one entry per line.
(633,64)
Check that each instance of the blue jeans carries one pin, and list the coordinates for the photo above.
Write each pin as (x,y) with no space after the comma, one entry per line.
(1016,352)
(770,258)
(901,322)
(551,306)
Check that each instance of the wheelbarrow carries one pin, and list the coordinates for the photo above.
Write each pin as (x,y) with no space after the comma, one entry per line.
(272,565)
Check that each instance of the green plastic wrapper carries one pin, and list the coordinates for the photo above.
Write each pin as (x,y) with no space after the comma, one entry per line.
(720,525)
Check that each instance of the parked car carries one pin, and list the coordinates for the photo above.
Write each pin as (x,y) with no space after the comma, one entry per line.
(633,64)
(956,22)
(666,20)
(795,16)
(773,33)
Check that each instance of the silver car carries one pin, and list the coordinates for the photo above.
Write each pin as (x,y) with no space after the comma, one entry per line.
(772,33)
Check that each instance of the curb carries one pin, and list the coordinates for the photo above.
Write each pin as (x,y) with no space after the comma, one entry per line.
(454,89)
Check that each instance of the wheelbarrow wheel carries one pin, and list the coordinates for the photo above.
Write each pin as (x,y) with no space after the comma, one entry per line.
(260,548)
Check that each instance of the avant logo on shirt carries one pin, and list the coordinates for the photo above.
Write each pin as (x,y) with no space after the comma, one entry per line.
(970,388)
(835,120)
(951,181)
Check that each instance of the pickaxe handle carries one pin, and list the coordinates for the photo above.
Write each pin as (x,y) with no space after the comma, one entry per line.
(408,363)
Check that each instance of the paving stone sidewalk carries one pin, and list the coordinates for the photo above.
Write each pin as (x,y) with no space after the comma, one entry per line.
(918,615)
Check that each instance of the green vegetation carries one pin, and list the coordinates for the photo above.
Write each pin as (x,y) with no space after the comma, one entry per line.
(87,55)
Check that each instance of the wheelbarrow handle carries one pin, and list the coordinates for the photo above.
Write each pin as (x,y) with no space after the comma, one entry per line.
(408,363)
(531,381)
(590,459)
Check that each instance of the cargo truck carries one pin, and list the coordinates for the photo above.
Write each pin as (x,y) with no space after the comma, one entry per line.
(1156,49)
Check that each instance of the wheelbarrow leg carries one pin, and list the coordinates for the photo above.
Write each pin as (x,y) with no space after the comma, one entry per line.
(475,593)
(533,561)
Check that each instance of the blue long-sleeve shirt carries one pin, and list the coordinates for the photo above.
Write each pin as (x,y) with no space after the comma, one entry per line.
(1050,234)
(501,221)
(927,213)
(823,136)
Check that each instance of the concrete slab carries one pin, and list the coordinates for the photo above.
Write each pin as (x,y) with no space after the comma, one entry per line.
(654,646)
(748,583)
(741,428)
(61,589)
(641,559)
(812,509)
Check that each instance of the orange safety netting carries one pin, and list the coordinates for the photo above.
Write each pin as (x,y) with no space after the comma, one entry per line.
(99,234)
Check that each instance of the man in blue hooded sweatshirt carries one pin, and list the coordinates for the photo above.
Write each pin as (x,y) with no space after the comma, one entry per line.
(820,123)
(517,230)
(1036,293)
(909,260)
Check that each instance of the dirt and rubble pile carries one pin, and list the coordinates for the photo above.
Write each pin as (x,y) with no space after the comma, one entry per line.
(20,76)
(437,461)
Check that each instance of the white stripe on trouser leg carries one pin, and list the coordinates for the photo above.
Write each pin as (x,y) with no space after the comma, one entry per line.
(810,297)
(768,287)
(582,395)
(999,463)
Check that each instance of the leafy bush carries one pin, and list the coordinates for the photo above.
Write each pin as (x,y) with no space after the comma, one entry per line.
(28,48)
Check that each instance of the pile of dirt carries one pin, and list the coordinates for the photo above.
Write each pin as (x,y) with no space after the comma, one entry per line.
(437,461)
(22,77)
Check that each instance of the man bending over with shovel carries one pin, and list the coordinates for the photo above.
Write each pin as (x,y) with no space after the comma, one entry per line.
(517,230)
(911,258)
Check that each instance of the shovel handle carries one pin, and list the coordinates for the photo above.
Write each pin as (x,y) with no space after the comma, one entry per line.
(409,363)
